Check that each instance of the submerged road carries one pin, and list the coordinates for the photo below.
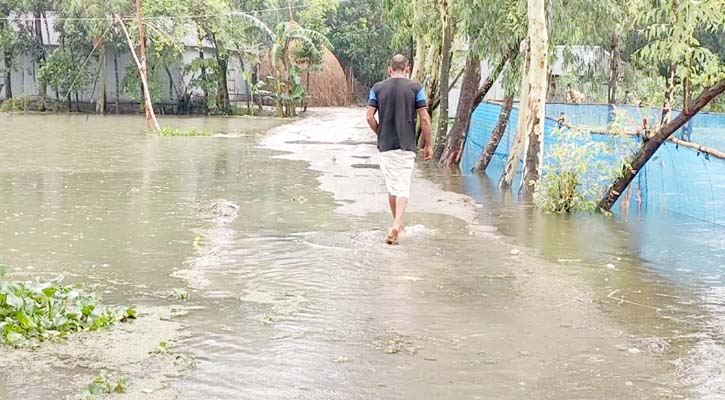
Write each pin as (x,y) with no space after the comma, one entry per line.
(277,238)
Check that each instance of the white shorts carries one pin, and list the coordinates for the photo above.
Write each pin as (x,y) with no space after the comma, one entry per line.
(397,167)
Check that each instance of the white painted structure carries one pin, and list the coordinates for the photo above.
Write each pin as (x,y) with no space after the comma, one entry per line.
(24,71)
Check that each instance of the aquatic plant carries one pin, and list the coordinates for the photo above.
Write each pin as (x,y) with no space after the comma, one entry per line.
(183,132)
(104,384)
(180,294)
(33,312)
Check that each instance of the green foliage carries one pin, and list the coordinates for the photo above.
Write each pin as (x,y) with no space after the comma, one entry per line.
(64,72)
(104,384)
(363,38)
(21,103)
(183,132)
(33,312)
(672,31)
(575,174)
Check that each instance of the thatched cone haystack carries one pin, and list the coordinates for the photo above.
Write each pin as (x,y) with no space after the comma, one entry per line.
(328,87)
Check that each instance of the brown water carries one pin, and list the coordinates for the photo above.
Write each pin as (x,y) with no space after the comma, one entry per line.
(297,301)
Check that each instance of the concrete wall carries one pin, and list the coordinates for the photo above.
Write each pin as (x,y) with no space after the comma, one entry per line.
(25,70)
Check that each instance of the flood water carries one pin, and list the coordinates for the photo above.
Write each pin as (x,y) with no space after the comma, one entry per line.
(293,299)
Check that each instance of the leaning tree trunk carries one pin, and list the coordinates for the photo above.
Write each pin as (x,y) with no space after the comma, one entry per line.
(496,135)
(512,164)
(614,67)
(533,116)
(445,79)
(669,95)
(454,143)
(650,146)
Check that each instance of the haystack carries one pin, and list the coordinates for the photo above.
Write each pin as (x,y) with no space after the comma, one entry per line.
(328,87)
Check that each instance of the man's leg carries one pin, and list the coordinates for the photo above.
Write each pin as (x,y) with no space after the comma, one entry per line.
(392,200)
(400,206)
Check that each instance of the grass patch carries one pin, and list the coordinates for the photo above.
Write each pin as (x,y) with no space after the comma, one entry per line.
(183,132)
(34,312)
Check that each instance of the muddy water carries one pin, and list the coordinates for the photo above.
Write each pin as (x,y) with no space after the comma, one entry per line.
(292,295)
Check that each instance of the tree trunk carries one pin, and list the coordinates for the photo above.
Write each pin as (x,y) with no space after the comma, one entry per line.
(222,84)
(669,95)
(452,86)
(171,83)
(247,85)
(118,80)
(512,164)
(419,60)
(534,118)
(101,104)
(203,78)
(614,68)
(453,145)
(435,69)
(38,31)
(496,135)
(445,79)
(650,146)
(8,59)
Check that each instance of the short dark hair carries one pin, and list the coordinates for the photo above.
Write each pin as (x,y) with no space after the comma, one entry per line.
(398,62)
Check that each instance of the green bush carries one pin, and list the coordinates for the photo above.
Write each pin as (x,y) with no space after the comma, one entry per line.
(576,174)
(22,103)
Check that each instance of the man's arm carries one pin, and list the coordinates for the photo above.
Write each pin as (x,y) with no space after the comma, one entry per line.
(372,122)
(425,128)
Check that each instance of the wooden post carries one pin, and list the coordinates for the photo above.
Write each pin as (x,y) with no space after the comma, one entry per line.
(141,64)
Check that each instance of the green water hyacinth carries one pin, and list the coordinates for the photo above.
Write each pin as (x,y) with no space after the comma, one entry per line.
(33,312)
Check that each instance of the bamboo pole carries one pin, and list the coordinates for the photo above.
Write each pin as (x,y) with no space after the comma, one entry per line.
(141,64)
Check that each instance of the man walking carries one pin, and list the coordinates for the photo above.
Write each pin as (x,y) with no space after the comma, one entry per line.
(398,101)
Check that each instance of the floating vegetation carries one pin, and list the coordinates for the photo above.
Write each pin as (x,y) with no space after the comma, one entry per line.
(183,132)
(163,349)
(33,312)
(104,384)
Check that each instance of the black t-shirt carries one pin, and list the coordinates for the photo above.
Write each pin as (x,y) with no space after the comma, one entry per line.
(398,101)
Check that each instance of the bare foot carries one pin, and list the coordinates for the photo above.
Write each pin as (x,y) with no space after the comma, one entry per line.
(392,238)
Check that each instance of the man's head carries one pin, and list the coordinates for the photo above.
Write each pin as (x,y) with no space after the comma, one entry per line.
(398,65)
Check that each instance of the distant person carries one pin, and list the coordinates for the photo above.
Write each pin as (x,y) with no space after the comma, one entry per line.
(574,96)
(399,102)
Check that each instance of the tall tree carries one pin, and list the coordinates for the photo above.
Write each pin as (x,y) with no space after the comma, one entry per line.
(445,10)
(9,43)
(456,138)
(492,29)
(532,117)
